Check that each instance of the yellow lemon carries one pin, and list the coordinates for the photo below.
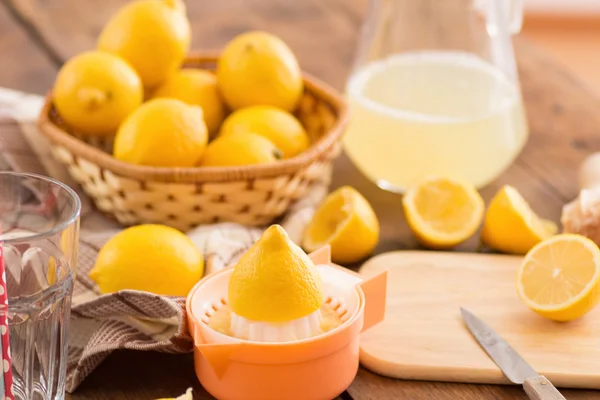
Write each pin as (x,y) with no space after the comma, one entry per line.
(443,212)
(186,396)
(95,91)
(560,277)
(280,127)
(151,258)
(511,226)
(240,149)
(162,133)
(345,221)
(257,68)
(195,87)
(275,281)
(152,35)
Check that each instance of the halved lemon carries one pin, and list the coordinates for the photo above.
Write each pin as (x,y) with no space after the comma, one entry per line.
(510,224)
(560,277)
(443,212)
(346,221)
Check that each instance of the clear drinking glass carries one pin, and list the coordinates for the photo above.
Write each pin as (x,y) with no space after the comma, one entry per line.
(39,218)
(435,91)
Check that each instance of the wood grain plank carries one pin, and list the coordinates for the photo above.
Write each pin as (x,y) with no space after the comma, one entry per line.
(563,118)
(23,65)
(70,26)
(129,375)
(369,386)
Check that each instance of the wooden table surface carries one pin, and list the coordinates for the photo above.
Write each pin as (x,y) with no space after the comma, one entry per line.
(36,36)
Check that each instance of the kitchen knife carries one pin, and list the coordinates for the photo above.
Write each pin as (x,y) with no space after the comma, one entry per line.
(510,362)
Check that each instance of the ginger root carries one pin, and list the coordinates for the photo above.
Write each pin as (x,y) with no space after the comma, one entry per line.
(582,215)
(589,172)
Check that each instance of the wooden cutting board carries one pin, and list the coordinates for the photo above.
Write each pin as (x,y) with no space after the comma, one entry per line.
(423,336)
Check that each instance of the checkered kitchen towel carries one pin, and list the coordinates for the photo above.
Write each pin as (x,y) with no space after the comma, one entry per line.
(129,319)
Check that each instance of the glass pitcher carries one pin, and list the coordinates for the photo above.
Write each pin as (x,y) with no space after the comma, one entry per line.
(435,91)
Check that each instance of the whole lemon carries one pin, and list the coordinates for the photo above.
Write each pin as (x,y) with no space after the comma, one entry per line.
(257,68)
(195,87)
(151,258)
(240,149)
(280,127)
(162,133)
(95,91)
(152,35)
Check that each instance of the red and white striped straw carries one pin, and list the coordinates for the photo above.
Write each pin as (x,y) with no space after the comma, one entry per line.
(5,339)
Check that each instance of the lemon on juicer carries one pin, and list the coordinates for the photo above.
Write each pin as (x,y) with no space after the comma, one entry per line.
(162,133)
(257,68)
(240,149)
(280,127)
(150,258)
(195,87)
(95,91)
(275,281)
(152,35)
(275,294)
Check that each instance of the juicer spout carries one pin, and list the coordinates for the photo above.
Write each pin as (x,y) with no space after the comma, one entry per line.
(374,287)
(218,355)
(321,256)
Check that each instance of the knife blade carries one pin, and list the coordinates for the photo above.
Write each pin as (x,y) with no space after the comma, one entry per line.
(510,362)
(514,367)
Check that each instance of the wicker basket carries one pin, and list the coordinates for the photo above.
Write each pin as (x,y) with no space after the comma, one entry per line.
(186,197)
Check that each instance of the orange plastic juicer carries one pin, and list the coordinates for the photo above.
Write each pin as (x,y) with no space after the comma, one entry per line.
(320,367)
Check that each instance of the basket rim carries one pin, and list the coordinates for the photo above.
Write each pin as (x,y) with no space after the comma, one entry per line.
(289,166)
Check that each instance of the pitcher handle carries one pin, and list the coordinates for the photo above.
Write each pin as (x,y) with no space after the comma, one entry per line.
(511,11)
(515,15)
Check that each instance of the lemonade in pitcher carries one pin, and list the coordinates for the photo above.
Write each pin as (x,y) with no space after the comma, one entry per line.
(435,91)
(433,113)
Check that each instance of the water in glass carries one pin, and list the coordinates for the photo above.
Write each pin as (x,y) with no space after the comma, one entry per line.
(39,219)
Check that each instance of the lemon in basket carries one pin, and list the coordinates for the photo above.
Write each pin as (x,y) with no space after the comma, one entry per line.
(240,149)
(275,281)
(150,258)
(195,87)
(345,221)
(162,133)
(152,35)
(280,127)
(257,68)
(95,91)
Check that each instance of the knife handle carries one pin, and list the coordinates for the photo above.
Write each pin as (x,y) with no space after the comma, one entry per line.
(540,388)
